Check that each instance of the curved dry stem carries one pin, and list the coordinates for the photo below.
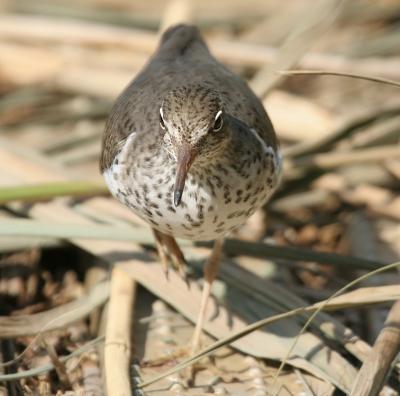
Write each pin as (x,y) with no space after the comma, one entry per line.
(49,366)
(329,303)
(340,74)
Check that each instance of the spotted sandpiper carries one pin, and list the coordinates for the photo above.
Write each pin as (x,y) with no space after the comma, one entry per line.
(190,149)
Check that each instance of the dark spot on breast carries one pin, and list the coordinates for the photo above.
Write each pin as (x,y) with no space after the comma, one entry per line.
(250,212)
(168,201)
(218,181)
(145,188)
(222,169)
(148,212)
(188,217)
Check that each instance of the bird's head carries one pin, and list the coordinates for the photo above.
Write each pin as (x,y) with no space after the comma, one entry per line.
(193,123)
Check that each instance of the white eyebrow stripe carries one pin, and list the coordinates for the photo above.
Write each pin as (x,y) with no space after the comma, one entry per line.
(161,113)
(218,114)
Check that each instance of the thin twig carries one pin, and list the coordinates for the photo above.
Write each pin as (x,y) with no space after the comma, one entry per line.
(50,366)
(313,22)
(339,158)
(315,308)
(58,364)
(341,74)
(322,306)
(347,128)
(307,387)
(376,367)
(55,318)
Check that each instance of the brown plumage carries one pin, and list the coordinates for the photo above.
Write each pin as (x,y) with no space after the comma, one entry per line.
(189,148)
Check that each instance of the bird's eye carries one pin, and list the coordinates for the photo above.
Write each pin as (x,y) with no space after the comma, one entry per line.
(218,122)
(162,123)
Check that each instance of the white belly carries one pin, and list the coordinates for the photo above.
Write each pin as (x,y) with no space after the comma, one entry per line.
(201,215)
(211,206)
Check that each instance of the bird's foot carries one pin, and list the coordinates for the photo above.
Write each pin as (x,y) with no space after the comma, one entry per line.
(170,255)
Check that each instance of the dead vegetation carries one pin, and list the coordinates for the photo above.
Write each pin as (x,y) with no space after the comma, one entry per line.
(84,305)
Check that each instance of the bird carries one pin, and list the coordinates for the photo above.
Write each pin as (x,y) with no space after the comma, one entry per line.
(190,149)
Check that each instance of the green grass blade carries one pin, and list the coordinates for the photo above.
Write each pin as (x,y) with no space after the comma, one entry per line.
(46,191)
(35,228)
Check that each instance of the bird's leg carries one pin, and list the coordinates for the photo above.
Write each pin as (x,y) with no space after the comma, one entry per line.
(161,250)
(210,273)
(168,248)
(176,255)
(168,244)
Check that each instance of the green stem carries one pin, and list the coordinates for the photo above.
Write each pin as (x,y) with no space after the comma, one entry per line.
(45,191)
(234,247)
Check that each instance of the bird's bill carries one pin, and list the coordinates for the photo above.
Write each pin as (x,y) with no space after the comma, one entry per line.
(185,158)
